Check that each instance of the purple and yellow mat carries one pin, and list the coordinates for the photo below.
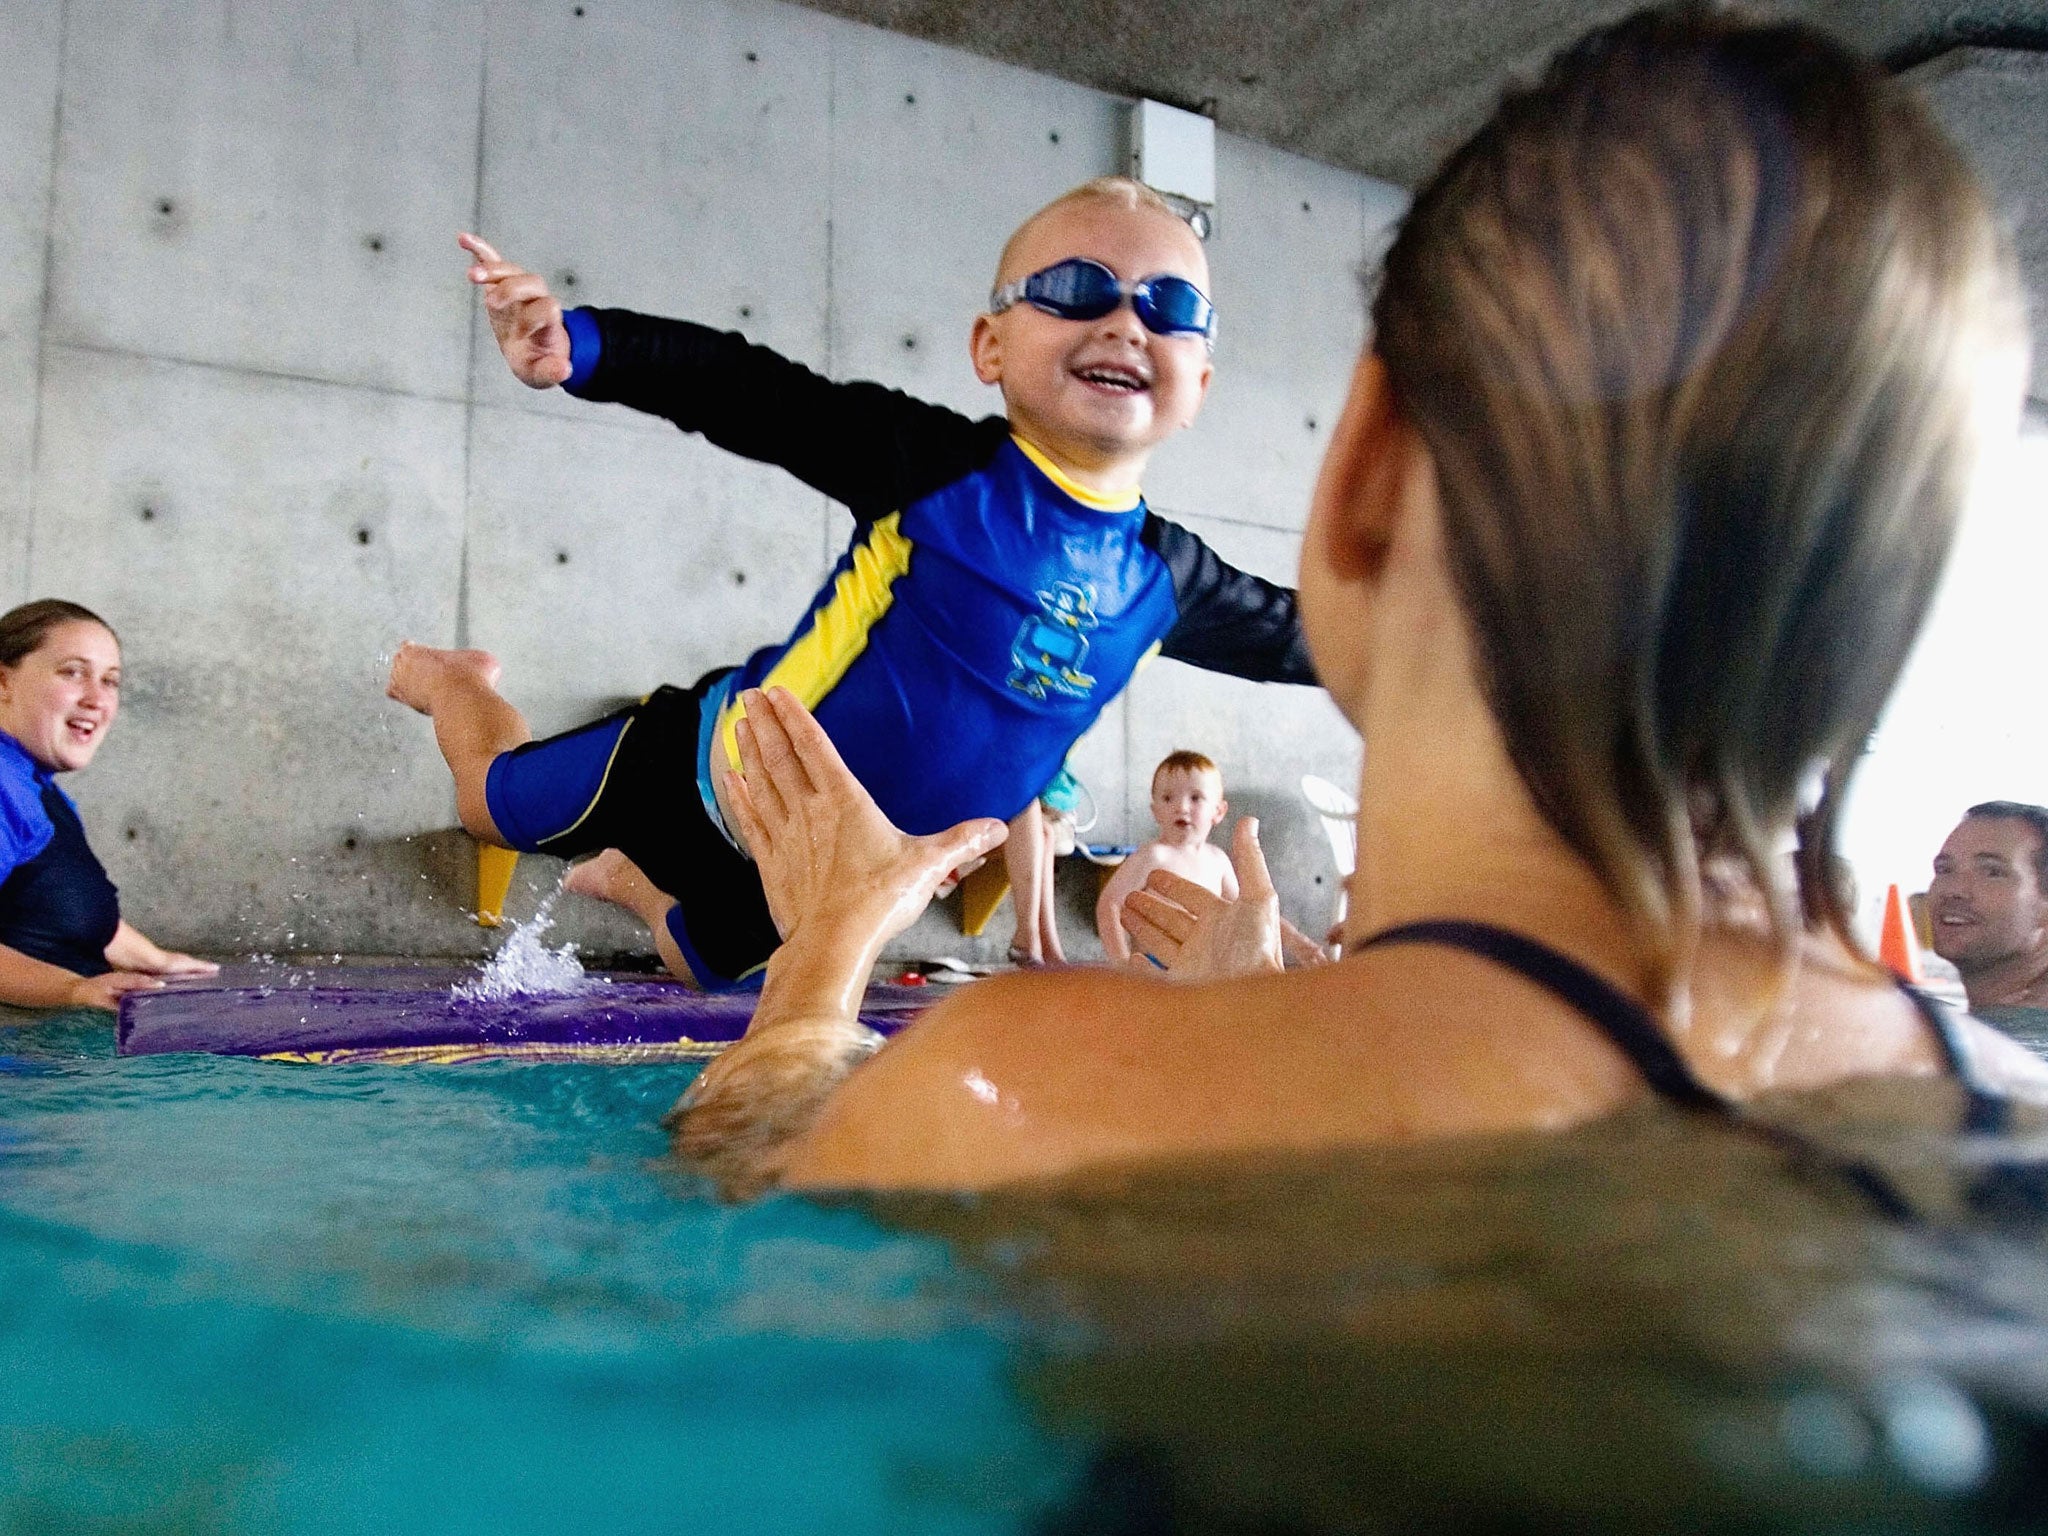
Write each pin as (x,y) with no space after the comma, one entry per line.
(402,1014)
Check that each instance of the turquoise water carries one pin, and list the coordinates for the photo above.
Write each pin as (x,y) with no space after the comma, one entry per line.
(239,1296)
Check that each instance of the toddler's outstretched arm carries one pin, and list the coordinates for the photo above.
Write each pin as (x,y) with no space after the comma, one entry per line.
(525,317)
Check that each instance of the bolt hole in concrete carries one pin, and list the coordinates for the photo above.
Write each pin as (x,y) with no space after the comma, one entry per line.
(375,242)
(568,279)
(166,207)
(753,58)
(349,843)
(910,343)
(739,578)
(1054,136)
(362,535)
(148,513)
(578,11)
(561,557)
(132,834)
(1311,423)
(909,99)
(746,311)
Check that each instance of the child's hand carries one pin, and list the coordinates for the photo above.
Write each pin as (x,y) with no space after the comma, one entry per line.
(524,316)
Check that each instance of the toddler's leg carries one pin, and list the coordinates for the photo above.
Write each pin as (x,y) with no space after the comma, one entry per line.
(1024,856)
(613,877)
(458,690)
(1048,899)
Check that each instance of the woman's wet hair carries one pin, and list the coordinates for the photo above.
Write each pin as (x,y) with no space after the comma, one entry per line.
(23,630)
(1703,332)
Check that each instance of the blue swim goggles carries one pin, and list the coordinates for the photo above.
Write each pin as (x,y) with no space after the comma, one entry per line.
(1080,289)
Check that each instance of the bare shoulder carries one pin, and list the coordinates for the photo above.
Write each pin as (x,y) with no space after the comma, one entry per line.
(961,1098)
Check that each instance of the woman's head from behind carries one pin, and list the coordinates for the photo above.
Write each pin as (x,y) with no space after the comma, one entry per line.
(1695,332)
(60,681)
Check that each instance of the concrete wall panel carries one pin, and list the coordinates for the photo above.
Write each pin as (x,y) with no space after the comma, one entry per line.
(270,187)
(604,561)
(259,543)
(29,34)
(1292,240)
(667,157)
(937,157)
(1995,103)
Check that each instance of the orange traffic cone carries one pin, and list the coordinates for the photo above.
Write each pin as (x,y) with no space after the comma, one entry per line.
(1896,946)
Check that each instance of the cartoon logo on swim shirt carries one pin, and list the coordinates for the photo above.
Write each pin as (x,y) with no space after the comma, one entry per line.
(1051,645)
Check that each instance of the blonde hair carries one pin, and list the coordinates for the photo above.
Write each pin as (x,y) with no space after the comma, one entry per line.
(1123,192)
(1695,331)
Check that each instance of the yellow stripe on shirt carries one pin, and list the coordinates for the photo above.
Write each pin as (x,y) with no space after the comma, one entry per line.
(815,661)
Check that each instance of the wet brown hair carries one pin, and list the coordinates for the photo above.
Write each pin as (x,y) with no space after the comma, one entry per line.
(23,630)
(1695,330)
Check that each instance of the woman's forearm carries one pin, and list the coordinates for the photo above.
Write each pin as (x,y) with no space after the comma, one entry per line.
(737,1121)
(26,982)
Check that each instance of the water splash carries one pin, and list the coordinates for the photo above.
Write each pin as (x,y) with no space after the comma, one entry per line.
(525,967)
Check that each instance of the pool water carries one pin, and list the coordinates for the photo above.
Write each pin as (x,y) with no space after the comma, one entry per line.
(240,1296)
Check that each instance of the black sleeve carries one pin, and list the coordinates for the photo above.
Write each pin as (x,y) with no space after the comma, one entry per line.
(870,448)
(1230,620)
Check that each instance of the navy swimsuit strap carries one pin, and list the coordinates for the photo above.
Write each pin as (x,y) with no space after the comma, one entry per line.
(1626,1022)
(1633,1029)
(1988,1109)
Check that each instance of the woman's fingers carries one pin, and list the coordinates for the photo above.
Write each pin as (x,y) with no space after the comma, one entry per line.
(1197,900)
(478,247)
(768,804)
(775,753)
(822,764)
(740,801)
(1147,937)
(1168,917)
(1254,880)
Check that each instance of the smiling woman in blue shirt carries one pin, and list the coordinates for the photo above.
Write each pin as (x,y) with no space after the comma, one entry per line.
(63,943)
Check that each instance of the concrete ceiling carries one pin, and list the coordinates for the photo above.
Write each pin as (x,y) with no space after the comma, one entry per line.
(1379,86)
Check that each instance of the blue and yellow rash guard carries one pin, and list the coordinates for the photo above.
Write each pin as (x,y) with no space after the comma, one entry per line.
(988,608)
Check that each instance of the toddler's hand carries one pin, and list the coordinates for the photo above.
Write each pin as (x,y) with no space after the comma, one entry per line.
(524,316)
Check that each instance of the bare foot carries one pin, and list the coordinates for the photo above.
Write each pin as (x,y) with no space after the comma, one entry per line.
(420,674)
(611,876)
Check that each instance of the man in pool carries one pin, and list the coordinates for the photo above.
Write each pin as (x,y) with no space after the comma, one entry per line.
(1004,580)
(1989,908)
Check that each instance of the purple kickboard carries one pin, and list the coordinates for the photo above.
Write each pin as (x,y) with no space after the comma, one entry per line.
(364,1011)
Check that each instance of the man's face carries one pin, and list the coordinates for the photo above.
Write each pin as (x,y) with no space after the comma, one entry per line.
(1086,390)
(1986,901)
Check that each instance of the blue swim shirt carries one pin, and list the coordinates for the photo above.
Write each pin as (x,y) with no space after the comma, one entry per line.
(987,609)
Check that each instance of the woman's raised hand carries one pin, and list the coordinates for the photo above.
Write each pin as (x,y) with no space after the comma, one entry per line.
(827,854)
(524,316)
(1198,935)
